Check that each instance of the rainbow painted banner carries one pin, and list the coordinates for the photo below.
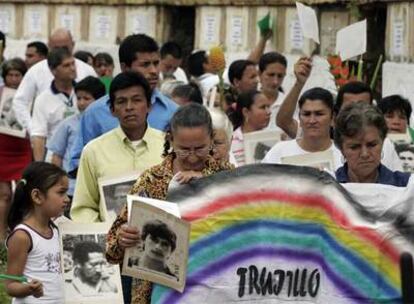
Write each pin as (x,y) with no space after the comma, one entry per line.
(275,234)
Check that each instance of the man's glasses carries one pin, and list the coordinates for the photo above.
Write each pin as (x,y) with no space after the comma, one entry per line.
(200,152)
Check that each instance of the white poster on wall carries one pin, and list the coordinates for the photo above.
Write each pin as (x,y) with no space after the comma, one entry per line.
(397,38)
(5,20)
(69,17)
(236,29)
(141,20)
(210,26)
(35,21)
(295,34)
(103,24)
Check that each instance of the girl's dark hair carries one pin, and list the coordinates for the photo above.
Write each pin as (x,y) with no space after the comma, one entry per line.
(393,103)
(244,100)
(190,91)
(14,64)
(38,175)
(269,58)
(191,115)
(92,85)
(103,57)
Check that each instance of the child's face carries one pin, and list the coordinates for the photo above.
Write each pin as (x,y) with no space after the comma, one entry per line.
(56,199)
(84,99)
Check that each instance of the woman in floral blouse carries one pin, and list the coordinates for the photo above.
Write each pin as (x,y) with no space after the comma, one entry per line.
(188,150)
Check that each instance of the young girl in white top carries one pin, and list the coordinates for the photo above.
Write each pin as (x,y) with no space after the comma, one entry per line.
(33,245)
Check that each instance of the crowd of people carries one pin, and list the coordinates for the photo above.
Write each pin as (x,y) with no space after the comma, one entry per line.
(172,124)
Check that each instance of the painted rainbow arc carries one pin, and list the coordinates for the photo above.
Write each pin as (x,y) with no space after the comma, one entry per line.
(226,231)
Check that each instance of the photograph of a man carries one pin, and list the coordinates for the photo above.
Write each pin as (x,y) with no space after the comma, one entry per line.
(159,242)
(90,272)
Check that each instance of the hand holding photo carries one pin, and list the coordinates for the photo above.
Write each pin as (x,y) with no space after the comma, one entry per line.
(319,160)
(161,256)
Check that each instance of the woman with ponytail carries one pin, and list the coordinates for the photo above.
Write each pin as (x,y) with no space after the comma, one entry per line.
(33,244)
(252,114)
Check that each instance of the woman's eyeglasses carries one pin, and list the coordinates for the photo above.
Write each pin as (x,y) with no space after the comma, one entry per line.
(200,152)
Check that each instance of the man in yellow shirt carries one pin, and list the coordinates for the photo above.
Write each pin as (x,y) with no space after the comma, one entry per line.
(133,146)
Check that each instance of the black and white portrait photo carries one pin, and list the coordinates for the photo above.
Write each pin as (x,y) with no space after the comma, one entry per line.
(258,143)
(162,253)
(406,154)
(87,274)
(113,192)
(8,120)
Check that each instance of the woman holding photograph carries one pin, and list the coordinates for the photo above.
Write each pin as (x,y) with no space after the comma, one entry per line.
(359,134)
(252,114)
(315,118)
(15,152)
(187,155)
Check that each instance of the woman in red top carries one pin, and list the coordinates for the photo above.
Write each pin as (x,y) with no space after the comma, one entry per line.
(15,152)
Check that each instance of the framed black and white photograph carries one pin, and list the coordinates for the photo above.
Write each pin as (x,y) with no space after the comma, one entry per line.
(113,192)
(320,160)
(161,256)
(88,277)
(8,120)
(258,143)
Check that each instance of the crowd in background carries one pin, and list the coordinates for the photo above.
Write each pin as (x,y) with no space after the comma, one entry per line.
(174,125)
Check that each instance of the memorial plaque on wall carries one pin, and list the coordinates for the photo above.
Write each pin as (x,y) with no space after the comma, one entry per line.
(7,19)
(400,27)
(331,22)
(36,21)
(237,22)
(209,25)
(141,20)
(69,17)
(295,43)
(103,24)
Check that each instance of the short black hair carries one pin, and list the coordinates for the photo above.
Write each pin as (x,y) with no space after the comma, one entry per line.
(133,44)
(83,56)
(81,251)
(56,57)
(353,87)
(41,48)
(393,103)
(190,91)
(92,85)
(237,69)
(103,57)
(3,38)
(159,229)
(269,58)
(126,80)
(13,64)
(195,63)
(171,48)
(317,94)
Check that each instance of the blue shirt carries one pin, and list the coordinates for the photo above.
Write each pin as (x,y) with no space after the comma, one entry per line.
(62,142)
(385,176)
(97,120)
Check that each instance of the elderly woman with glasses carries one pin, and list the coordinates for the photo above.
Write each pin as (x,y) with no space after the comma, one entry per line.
(188,155)
(359,134)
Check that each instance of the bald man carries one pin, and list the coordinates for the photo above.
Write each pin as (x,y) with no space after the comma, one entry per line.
(39,77)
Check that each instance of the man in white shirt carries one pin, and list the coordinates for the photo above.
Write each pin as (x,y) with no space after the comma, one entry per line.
(38,78)
(171,59)
(56,102)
